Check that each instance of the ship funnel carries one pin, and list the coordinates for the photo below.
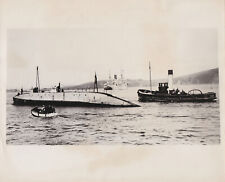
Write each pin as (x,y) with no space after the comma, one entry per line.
(170,79)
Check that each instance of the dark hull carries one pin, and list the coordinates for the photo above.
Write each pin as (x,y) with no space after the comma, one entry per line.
(148,97)
(22,102)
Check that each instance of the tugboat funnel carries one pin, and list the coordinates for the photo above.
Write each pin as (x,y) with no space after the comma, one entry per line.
(170,79)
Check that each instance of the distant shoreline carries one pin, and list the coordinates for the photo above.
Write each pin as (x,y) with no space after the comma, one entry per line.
(210,76)
(18,90)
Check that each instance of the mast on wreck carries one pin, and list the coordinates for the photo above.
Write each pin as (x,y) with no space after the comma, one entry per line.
(96,83)
(37,88)
(150,76)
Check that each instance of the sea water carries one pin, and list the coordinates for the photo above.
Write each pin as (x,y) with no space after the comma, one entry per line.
(150,124)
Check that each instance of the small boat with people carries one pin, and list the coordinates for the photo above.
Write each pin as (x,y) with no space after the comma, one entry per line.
(44,111)
(166,93)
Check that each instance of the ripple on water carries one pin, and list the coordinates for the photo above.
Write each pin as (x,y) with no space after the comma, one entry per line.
(172,116)
(82,124)
(188,130)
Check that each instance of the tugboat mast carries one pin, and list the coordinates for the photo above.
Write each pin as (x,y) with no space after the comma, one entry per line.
(150,76)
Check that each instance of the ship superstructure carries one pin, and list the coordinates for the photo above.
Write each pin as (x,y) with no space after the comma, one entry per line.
(117,83)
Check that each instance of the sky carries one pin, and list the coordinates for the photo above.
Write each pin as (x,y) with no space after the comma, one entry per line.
(71,41)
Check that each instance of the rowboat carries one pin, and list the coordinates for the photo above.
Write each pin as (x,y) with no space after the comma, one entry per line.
(45,111)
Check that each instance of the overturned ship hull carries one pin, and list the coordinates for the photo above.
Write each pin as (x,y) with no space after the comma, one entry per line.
(154,96)
(85,99)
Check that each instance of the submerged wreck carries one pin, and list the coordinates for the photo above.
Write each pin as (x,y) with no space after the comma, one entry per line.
(59,97)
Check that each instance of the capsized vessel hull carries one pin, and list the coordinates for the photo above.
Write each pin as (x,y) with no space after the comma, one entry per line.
(86,99)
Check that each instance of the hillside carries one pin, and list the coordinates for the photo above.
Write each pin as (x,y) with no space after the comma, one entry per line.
(204,77)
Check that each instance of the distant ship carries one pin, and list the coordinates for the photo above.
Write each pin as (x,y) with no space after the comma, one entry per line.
(70,98)
(172,95)
(116,83)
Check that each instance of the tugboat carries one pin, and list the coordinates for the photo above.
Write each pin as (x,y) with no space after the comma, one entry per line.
(59,97)
(45,111)
(172,95)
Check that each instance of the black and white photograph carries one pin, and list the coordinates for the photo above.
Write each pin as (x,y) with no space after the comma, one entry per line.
(145,85)
(112,85)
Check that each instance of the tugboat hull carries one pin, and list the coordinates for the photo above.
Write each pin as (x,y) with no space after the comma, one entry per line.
(149,96)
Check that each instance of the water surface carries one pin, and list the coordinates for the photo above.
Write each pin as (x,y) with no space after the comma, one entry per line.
(153,123)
